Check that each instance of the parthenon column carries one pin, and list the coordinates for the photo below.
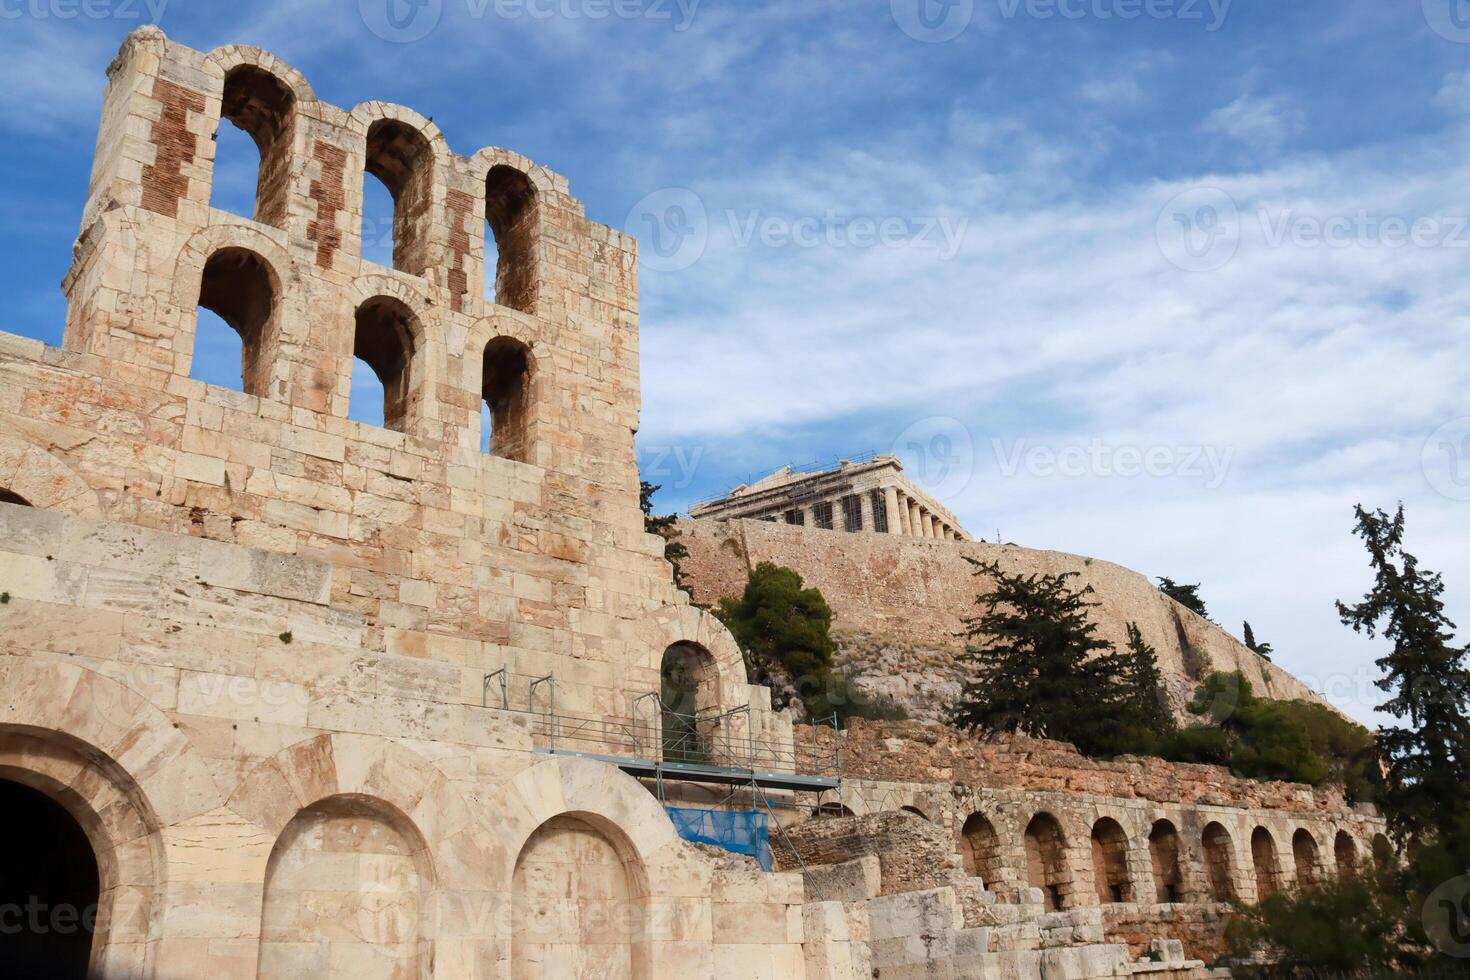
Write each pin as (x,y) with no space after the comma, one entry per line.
(926,524)
(916,529)
(890,508)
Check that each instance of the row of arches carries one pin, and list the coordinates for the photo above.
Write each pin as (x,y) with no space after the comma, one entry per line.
(1048,855)
(253,167)
(243,292)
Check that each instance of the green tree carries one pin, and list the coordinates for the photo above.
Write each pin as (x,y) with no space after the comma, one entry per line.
(785,630)
(664,527)
(1186,595)
(1038,666)
(1262,650)
(1427,762)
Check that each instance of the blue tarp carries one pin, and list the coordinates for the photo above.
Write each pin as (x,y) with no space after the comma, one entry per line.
(738,831)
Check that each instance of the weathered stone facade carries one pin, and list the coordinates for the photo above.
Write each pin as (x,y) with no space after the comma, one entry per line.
(898,604)
(317,698)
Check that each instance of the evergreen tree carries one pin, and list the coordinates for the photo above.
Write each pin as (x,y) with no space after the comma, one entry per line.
(1143,698)
(1427,763)
(1039,667)
(664,528)
(1262,650)
(784,628)
(1186,595)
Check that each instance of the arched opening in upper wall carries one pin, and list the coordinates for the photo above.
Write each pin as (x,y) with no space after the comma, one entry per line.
(1306,856)
(1110,862)
(1219,863)
(506,399)
(910,808)
(402,160)
(254,183)
(689,692)
(1267,866)
(980,849)
(1163,852)
(1046,861)
(382,377)
(238,290)
(1345,854)
(51,867)
(512,218)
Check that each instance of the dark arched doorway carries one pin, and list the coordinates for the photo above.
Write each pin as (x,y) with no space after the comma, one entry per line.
(49,888)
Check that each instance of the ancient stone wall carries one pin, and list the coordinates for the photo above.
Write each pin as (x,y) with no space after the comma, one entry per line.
(898,603)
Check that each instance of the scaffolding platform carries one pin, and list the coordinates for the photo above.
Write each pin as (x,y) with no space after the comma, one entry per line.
(691,772)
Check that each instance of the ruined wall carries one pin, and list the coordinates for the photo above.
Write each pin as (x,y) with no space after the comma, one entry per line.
(898,603)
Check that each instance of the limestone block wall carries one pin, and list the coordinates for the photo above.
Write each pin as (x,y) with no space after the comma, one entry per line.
(897,606)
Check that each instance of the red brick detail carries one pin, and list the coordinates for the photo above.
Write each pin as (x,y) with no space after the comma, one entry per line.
(164,183)
(330,197)
(458,209)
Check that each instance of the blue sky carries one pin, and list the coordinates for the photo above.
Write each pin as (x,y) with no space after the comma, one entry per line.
(1172,283)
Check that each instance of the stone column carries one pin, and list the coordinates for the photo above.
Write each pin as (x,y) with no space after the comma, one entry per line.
(890,508)
(926,524)
(916,528)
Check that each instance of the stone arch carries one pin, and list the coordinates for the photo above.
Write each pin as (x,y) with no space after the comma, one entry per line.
(910,808)
(1266,863)
(669,626)
(689,695)
(832,809)
(219,62)
(1163,852)
(513,215)
(1046,862)
(409,154)
(579,903)
(1345,855)
(349,881)
(1306,857)
(1110,862)
(229,268)
(387,337)
(509,385)
(981,850)
(263,105)
(122,772)
(42,480)
(1219,862)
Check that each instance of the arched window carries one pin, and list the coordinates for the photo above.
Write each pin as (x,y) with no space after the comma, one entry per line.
(1263,857)
(689,691)
(510,247)
(1345,851)
(1110,862)
(1306,856)
(1046,865)
(238,291)
(506,399)
(981,849)
(1163,852)
(262,107)
(384,344)
(50,865)
(1219,864)
(401,158)
(8,496)
(832,809)
(915,811)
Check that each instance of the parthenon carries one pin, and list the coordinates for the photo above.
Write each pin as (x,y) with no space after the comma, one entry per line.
(865,495)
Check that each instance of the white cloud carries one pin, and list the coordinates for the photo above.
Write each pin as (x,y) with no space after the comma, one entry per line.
(1264,123)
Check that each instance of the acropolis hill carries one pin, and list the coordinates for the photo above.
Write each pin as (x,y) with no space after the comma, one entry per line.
(287,695)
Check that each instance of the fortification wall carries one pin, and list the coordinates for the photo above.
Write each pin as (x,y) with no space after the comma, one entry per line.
(898,603)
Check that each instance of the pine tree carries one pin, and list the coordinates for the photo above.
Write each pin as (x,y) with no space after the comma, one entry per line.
(1428,762)
(1186,595)
(1262,650)
(1039,667)
(674,552)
